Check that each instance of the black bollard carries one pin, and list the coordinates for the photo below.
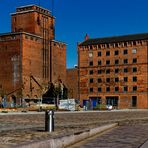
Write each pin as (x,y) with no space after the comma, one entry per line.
(49,120)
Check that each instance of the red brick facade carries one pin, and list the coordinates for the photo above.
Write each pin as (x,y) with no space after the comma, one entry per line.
(114,71)
(30,49)
(72,83)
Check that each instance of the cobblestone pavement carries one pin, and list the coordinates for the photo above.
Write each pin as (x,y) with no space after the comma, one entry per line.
(25,128)
(121,137)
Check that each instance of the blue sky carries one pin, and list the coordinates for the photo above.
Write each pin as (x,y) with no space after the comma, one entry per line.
(75,18)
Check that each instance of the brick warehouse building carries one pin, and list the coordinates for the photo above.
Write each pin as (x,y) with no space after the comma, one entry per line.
(72,82)
(30,55)
(114,70)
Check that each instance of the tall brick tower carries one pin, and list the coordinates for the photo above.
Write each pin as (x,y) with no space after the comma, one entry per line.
(35,20)
(30,50)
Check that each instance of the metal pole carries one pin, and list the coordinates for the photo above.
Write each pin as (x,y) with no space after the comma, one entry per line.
(49,121)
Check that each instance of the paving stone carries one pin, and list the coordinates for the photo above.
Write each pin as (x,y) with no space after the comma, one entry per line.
(25,128)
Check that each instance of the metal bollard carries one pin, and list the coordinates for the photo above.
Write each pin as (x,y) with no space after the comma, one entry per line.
(49,120)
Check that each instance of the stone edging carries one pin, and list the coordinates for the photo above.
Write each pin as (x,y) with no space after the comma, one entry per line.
(68,140)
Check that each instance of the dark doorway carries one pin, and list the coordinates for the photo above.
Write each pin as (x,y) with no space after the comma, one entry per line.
(112,100)
(134,101)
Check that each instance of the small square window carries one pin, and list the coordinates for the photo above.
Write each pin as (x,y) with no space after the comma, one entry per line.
(99,62)
(99,71)
(117,70)
(125,70)
(91,72)
(125,79)
(116,62)
(107,53)
(125,88)
(125,61)
(107,79)
(134,51)
(91,90)
(107,71)
(90,54)
(116,79)
(134,88)
(99,89)
(91,63)
(99,54)
(134,60)
(135,79)
(116,52)
(107,62)
(125,51)
(107,89)
(134,69)
(91,80)
(116,89)
(99,80)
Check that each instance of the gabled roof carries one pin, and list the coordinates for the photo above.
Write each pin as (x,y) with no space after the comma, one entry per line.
(114,39)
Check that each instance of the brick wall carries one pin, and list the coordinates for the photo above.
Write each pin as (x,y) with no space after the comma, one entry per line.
(72,83)
(95,78)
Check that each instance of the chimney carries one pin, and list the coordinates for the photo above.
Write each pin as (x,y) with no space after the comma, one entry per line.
(86,37)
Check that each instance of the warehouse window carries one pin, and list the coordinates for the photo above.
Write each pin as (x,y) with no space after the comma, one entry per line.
(135,79)
(125,70)
(134,60)
(107,89)
(99,80)
(91,90)
(91,63)
(107,62)
(107,71)
(99,54)
(134,88)
(125,51)
(116,62)
(99,71)
(134,69)
(107,79)
(99,89)
(125,79)
(91,80)
(117,70)
(116,52)
(125,88)
(117,79)
(116,89)
(134,50)
(125,61)
(91,72)
(107,53)
(99,62)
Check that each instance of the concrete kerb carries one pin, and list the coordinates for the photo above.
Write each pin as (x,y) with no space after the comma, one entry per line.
(145,145)
(68,140)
